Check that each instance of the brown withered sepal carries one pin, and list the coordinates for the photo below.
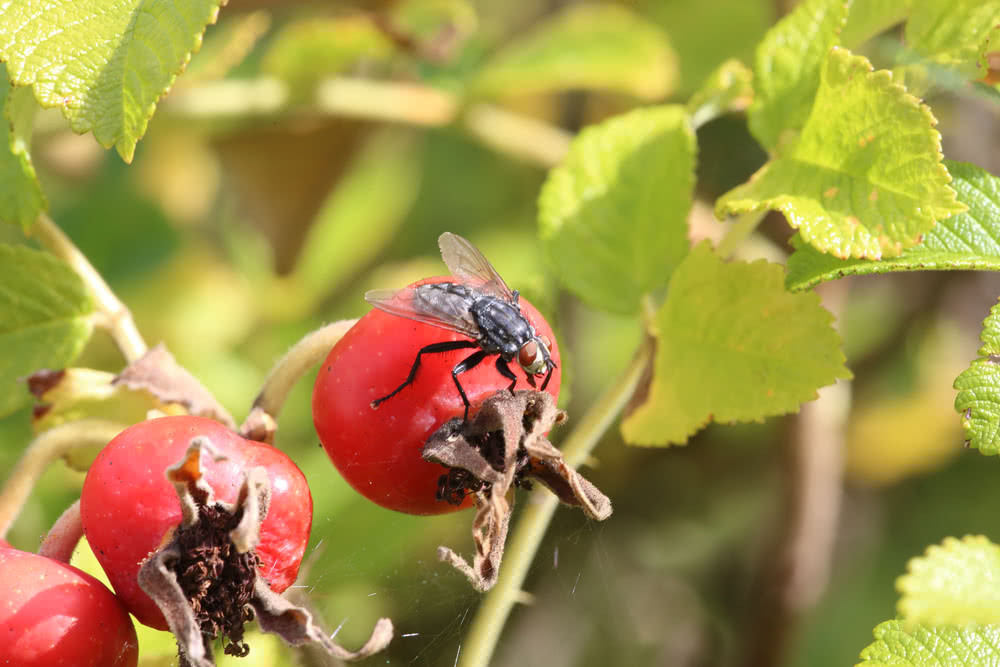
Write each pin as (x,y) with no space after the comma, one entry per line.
(159,373)
(502,447)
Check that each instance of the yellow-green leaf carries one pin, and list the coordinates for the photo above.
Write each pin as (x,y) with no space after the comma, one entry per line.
(787,68)
(867,18)
(45,319)
(954,583)
(21,198)
(910,645)
(978,399)
(967,241)
(104,64)
(732,346)
(955,34)
(865,178)
(728,89)
(613,216)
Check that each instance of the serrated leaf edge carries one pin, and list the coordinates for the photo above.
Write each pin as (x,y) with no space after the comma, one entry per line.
(21,151)
(118,141)
(759,63)
(894,249)
(795,403)
(918,564)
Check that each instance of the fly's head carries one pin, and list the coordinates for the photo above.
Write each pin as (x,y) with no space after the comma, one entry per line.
(535,359)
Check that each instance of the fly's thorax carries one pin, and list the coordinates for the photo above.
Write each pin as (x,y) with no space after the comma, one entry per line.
(503,329)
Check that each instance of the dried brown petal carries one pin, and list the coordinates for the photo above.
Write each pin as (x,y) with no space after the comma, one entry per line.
(503,446)
(159,373)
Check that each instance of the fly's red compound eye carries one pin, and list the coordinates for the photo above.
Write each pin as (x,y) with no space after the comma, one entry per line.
(528,354)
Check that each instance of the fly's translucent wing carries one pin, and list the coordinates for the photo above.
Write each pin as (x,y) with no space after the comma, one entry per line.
(428,304)
(468,264)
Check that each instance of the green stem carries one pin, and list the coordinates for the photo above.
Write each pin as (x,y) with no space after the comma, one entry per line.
(261,423)
(534,521)
(61,539)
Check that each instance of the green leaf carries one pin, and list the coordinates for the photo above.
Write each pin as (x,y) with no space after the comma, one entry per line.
(732,345)
(954,583)
(612,216)
(103,64)
(904,644)
(865,177)
(728,89)
(868,18)
(305,51)
(955,33)
(967,241)
(787,68)
(21,198)
(44,319)
(590,46)
(978,388)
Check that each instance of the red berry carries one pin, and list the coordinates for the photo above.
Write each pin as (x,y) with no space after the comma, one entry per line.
(127,504)
(378,451)
(53,614)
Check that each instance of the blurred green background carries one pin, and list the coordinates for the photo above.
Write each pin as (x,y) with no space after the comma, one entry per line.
(235,232)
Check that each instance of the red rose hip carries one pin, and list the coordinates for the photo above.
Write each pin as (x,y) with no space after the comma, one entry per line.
(378,451)
(53,614)
(128,505)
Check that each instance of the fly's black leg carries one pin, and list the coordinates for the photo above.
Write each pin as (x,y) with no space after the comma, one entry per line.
(507,373)
(466,364)
(548,376)
(433,348)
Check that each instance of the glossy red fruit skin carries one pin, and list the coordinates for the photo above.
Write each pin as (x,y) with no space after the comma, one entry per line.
(54,615)
(378,451)
(127,504)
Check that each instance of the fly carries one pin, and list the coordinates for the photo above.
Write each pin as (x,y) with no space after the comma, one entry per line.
(479,305)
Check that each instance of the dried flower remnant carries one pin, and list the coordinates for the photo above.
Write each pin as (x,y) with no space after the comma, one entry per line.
(205,578)
(159,373)
(502,447)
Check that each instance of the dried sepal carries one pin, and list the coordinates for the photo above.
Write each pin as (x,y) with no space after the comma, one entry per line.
(489,534)
(502,447)
(571,487)
(205,578)
(295,625)
(159,373)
